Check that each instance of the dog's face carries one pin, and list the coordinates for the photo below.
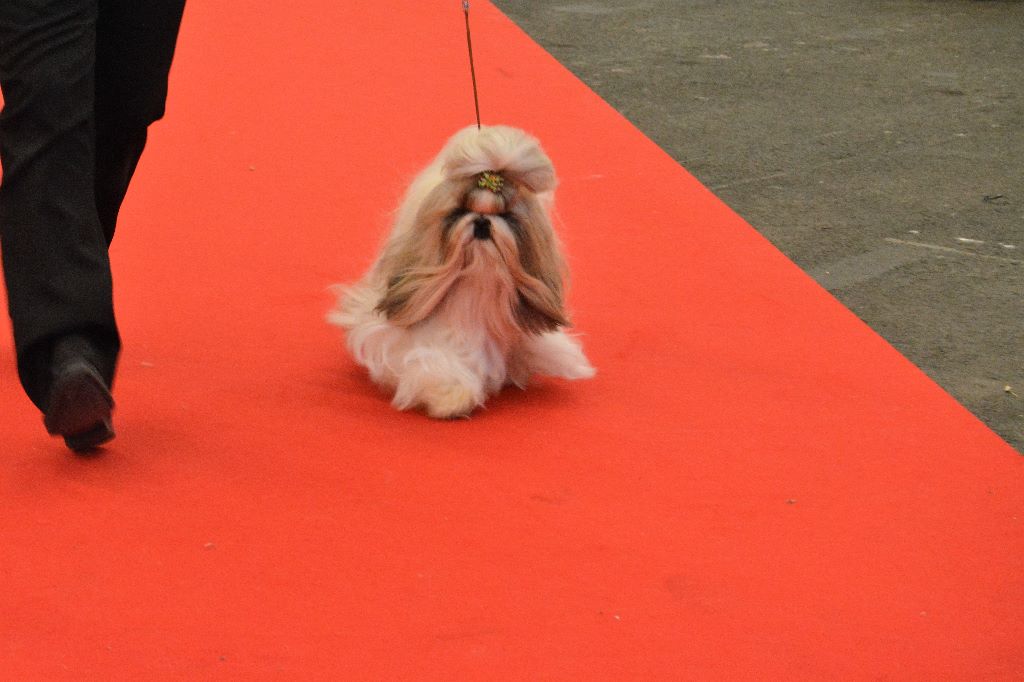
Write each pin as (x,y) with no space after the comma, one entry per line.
(490,222)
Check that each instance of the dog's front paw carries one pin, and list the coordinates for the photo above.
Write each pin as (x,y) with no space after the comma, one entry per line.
(438,384)
(450,401)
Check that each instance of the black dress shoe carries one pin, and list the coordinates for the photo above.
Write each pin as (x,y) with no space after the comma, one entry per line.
(80,405)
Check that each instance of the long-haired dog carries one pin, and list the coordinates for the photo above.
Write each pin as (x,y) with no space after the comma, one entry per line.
(467,295)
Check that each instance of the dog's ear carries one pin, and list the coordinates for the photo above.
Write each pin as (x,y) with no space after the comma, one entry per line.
(540,274)
(395,302)
(539,308)
(419,265)
(412,294)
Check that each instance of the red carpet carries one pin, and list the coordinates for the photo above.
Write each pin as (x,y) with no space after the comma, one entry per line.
(755,486)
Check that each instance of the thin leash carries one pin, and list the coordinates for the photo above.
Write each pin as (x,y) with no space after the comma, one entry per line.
(489,180)
(472,67)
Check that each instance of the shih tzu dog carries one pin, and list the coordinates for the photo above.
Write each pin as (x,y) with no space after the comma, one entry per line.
(467,293)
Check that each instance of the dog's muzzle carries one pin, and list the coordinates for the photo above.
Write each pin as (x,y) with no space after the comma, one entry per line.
(481,228)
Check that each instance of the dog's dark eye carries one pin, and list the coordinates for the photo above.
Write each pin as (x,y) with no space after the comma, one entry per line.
(513,224)
(452,217)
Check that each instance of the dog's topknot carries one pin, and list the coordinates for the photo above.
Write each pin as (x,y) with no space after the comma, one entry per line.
(509,151)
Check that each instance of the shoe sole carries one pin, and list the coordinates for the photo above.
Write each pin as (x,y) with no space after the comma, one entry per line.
(80,408)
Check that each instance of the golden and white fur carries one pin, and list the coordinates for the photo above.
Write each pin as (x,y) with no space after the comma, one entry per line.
(467,293)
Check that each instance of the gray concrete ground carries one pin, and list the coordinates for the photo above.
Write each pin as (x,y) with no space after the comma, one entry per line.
(879,144)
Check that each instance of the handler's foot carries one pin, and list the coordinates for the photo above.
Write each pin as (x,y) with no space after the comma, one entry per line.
(80,405)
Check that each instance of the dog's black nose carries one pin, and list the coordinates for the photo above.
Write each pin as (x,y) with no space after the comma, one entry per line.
(481,228)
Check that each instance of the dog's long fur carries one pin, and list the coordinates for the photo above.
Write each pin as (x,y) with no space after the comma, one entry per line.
(446,319)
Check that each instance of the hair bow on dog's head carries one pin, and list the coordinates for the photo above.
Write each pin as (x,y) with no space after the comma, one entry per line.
(491,180)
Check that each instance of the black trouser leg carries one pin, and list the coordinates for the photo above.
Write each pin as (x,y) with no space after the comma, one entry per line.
(134,47)
(54,253)
(82,80)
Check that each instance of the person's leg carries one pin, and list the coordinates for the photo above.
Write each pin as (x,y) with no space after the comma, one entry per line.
(134,47)
(54,250)
(82,80)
